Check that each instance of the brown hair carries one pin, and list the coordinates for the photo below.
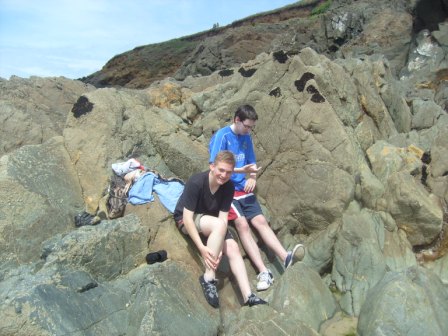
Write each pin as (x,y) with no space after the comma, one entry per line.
(225,156)
(246,112)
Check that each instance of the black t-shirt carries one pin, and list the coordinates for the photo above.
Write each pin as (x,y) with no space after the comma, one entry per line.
(197,197)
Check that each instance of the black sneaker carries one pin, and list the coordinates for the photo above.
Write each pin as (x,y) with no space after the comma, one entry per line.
(254,300)
(84,218)
(210,292)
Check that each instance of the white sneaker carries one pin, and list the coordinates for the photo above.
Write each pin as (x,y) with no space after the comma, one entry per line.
(265,280)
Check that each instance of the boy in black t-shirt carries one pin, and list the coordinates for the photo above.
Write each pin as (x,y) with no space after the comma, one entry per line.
(202,209)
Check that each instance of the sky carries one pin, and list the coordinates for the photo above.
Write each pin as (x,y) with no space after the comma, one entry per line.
(75,38)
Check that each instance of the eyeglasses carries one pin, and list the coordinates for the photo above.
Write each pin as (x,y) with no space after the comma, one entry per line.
(248,127)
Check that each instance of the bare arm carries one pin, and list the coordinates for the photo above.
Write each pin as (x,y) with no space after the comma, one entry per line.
(251,181)
(210,259)
(248,169)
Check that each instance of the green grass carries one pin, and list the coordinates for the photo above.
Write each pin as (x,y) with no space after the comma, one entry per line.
(178,45)
(322,8)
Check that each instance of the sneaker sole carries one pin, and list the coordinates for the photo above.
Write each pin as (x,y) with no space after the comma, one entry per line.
(263,288)
(298,253)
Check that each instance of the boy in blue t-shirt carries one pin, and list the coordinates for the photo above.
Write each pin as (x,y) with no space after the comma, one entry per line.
(245,207)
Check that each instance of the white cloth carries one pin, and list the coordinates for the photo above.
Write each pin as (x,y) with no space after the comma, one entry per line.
(122,168)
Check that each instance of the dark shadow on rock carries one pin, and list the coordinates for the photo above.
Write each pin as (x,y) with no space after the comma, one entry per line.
(225,72)
(87,287)
(81,107)
(246,73)
(300,84)
(428,14)
(426,157)
(280,56)
(276,92)
(424,175)
(316,96)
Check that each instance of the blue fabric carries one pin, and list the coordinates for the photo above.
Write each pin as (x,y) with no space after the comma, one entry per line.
(240,145)
(167,191)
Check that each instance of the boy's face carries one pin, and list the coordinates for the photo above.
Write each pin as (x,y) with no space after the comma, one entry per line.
(221,172)
(244,127)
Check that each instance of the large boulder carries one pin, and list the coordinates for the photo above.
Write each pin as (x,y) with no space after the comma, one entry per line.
(414,209)
(34,110)
(56,300)
(411,302)
(302,295)
(418,213)
(106,250)
(358,263)
(109,125)
(40,194)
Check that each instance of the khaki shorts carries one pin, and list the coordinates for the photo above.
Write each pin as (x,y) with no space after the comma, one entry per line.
(197,221)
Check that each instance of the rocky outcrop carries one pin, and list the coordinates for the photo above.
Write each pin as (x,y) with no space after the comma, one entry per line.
(379,318)
(337,29)
(34,110)
(354,164)
(40,192)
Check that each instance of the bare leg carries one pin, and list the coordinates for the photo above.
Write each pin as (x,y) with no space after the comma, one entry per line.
(236,262)
(215,230)
(268,236)
(249,244)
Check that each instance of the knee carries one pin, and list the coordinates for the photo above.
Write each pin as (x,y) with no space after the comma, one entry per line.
(232,249)
(221,226)
(242,225)
(260,222)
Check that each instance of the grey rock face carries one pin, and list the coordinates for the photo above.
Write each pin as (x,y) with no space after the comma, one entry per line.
(34,110)
(106,250)
(312,303)
(61,300)
(123,124)
(358,260)
(322,175)
(404,304)
(425,114)
(40,195)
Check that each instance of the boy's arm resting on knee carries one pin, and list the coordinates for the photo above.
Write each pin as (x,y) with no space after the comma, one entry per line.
(250,184)
(206,253)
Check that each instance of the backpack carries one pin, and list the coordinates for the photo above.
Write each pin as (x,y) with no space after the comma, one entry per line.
(117,197)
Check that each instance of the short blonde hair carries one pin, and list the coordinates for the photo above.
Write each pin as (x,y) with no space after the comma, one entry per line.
(225,156)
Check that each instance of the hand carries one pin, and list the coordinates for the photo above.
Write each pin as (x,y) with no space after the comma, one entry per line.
(250,168)
(210,260)
(250,184)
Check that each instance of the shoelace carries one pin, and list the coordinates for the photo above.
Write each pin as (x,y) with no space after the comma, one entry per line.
(211,289)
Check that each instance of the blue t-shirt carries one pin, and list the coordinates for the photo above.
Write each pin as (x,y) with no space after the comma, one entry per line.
(240,145)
